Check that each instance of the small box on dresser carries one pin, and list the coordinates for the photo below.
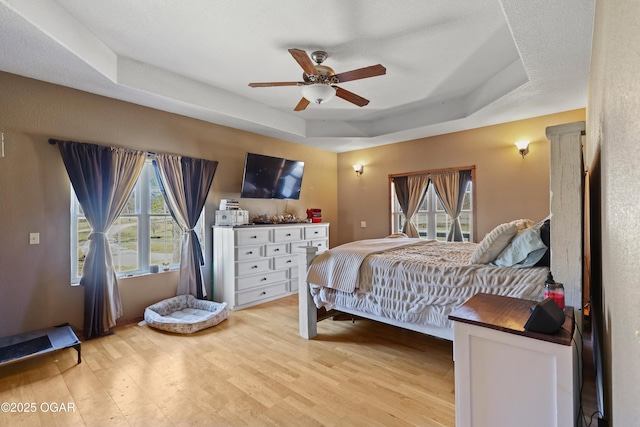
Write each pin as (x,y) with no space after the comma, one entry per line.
(254,264)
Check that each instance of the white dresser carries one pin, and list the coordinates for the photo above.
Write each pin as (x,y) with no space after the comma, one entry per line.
(253,264)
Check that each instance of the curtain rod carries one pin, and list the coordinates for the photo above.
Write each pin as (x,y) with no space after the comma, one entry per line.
(429,172)
(54,141)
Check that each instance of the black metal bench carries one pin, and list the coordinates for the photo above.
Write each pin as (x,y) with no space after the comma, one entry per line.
(34,343)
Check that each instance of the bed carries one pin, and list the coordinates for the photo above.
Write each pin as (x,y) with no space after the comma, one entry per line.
(415,284)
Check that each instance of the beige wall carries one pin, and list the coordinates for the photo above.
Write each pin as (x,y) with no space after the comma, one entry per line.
(34,191)
(613,128)
(507,186)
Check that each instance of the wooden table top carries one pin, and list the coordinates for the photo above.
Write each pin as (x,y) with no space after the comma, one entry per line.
(509,315)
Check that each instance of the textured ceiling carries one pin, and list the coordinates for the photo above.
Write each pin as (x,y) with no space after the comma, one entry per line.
(451,64)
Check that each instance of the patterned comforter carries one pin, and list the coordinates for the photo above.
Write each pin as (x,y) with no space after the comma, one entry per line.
(423,282)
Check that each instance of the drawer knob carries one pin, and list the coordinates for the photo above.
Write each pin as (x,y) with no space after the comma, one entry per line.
(264,279)
(288,234)
(254,266)
(250,253)
(289,261)
(254,237)
(263,293)
(276,250)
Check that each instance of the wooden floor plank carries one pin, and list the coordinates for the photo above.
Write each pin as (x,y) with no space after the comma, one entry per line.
(251,370)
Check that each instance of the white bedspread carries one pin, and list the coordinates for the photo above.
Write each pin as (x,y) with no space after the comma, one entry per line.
(422,283)
(339,268)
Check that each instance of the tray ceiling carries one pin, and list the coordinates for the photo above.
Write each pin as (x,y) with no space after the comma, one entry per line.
(451,64)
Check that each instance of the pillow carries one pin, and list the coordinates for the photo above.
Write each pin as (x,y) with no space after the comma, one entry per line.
(522,224)
(493,243)
(545,235)
(525,250)
(397,236)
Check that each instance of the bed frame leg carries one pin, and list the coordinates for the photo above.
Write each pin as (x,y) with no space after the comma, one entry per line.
(307,312)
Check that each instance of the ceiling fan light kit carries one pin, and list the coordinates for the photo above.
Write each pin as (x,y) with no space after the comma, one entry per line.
(319,80)
(318,93)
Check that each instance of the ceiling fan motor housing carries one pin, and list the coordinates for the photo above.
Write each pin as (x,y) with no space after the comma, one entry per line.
(324,74)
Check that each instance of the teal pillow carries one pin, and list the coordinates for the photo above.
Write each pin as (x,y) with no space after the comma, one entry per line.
(525,250)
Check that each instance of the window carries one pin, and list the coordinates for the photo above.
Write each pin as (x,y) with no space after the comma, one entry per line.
(144,234)
(431,220)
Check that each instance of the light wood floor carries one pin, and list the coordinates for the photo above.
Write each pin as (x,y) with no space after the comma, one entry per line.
(251,370)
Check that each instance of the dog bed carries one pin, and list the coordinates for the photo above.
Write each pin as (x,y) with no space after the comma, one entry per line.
(185,314)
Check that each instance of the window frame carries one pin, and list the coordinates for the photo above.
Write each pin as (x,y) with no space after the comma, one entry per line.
(394,215)
(143,215)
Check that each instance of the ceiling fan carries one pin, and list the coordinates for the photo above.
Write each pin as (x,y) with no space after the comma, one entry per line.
(319,81)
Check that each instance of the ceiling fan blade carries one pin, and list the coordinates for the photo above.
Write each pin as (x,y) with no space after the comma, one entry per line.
(269,84)
(303,59)
(351,97)
(361,73)
(304,102)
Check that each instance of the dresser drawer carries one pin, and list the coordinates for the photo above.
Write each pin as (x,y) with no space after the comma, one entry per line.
(254,266)
(248,252)
(276,249)
(293,285)
(285,261)
(287,234)
(320,244)
(252,236)
(315,233)
(254,295)
(294,272)
(248,282)
(299,247)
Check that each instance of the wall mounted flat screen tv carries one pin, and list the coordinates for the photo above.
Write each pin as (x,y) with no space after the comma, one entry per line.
(267,177)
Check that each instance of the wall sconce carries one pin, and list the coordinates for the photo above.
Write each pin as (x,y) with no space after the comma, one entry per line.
(523,147)
(359,169)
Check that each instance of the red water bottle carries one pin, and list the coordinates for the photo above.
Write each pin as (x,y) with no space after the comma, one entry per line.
(554,290)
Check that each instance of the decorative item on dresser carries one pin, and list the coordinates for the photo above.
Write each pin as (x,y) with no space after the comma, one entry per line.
(314,215)
(254,264)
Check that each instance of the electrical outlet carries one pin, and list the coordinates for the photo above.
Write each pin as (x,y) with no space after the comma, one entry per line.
(363,224)
(34,238)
